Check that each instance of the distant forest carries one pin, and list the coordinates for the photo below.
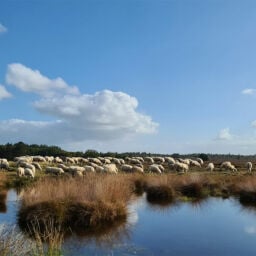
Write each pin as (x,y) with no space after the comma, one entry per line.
(10,151)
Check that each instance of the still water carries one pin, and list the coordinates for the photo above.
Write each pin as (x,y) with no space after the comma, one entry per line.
(213,227)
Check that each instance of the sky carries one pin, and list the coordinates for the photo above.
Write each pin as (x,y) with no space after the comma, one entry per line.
(173,76)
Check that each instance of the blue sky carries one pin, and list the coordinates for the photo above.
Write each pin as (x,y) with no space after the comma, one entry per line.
(131,75)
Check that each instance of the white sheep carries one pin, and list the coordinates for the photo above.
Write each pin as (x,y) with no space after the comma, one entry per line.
(110,168)
(149,160)
(29,172)
(38,159)
(63,167)
(27,165)
(228,166)
(159,160)
(194,163)
(37,166)
(137,169)
(58,160)
(70,160)
(154,168)
(134,161)
(49,159)
(210,167)
(126,168)
(4,164)
(95,160)
(170,160)
(73,169)
(181,167)
(20,171)
(184,161)
(99,169)
(54,170)
(88,168)
(200,160)
(249,166)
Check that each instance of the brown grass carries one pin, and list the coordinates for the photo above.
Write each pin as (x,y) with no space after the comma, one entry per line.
(85,203)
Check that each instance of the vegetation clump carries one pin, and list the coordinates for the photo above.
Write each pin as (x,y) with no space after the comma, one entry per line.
(72,204)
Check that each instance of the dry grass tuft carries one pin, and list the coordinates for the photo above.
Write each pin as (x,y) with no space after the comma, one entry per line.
(76,203)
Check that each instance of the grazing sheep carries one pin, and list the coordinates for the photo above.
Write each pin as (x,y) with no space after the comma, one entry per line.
(194,163)
(228,166)
(184,161)
(88,168)
(181,167)
(83,160)
(4,164)
(110,168)
(154,168)
(95,161)
(200,160)
(137,169)
(139,158)
(159,160)
(126,168)
(37,166)
(170,160)
(149,160)
(73,169)
(27,165)
(210,167)
(63,167)
(134,161)
(92,164)
(58,160)
(99,169)
(107,161)
(29,172)
(70,160)
(20,171)
(54,170)
(249,166)
(27,159)
(38,159)
(49,159)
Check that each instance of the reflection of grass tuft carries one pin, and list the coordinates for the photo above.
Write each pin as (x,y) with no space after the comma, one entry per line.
(160,194)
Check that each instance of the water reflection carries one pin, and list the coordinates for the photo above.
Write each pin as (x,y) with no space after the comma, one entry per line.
(211,226)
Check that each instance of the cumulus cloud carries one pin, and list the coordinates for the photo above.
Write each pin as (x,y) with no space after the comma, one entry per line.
(249,91)
(224,134)
(3,29)
(29,80)
(104,110)
(4,93)
(102,116)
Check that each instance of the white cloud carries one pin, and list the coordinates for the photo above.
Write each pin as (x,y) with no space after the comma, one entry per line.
(102,116)
(249,91)
(29,80)
(102,111)
(3,29)
(254,123)
(251,230)
(224,134)
(4,93)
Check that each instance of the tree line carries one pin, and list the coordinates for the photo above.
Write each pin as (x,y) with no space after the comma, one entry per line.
(10,151)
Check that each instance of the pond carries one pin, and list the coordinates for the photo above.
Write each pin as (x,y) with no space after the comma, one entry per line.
(213,227)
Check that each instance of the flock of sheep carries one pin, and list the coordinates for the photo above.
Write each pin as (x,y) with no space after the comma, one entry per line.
(78,166)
